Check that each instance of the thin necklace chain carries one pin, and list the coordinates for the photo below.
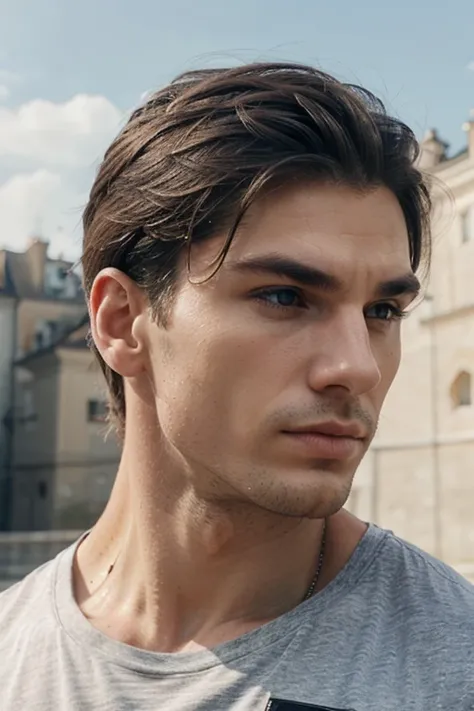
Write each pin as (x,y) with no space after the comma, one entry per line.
(315,580)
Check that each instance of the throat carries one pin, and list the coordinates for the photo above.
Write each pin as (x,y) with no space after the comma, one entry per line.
(197,578)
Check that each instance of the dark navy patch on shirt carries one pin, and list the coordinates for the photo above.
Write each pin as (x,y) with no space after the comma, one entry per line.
(286,705)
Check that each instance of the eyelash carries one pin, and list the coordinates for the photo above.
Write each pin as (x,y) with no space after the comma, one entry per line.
(397,313)
(264,294)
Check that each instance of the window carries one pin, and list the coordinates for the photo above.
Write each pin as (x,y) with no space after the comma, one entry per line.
(39,340)
(28,403)
(96,411)
(46,334)
(28,416)
(467,225)
(461,390)
(61,282)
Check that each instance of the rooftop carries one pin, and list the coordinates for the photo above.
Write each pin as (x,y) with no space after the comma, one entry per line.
(34,275)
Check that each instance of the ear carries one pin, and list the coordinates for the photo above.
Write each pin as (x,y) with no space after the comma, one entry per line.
(117,309)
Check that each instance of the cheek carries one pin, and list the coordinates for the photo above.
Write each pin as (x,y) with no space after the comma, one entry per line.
(196,376)
(217,384)
(389,363)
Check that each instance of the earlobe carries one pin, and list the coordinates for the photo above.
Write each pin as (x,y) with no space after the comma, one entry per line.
(116,304)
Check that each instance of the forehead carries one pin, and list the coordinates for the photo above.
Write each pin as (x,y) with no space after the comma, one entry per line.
(350,233)
(330,226)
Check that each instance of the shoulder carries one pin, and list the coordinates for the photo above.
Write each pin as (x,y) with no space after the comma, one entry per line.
(27,603)
(422,568)
(420,581)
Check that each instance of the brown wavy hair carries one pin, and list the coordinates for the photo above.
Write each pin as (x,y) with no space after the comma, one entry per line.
(191,160)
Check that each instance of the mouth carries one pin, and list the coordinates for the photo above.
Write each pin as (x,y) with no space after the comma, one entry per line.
(329,440)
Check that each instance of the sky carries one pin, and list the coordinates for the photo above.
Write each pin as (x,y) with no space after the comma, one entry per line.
(70,73)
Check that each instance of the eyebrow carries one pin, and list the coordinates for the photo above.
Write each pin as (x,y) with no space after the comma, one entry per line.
(278,265)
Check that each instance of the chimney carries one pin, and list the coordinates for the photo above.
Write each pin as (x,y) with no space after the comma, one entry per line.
(468,127)
(36,256)
(433,150)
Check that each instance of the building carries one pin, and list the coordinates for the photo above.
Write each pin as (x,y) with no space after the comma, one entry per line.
(42,312)
(418,478)
(62,478)
(8,305)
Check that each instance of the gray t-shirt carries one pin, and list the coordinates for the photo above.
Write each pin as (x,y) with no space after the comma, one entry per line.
(393,631)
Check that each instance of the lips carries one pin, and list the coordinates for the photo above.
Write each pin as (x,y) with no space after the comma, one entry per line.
(328,440)
(331,429)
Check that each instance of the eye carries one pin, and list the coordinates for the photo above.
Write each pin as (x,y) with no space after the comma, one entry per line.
(385,312)
(281,297)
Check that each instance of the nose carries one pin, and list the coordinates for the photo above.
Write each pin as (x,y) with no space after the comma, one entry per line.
(344,356)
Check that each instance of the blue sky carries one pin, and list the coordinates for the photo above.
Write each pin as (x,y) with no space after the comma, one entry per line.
(69,72)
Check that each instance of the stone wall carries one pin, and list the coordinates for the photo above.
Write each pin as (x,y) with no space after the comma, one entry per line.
(20,553)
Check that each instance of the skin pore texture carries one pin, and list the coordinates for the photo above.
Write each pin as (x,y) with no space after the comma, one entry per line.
(214,524)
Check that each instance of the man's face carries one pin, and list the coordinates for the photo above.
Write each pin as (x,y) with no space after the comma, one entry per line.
(269,378)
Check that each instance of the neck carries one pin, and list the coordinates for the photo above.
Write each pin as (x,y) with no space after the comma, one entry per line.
(167,569)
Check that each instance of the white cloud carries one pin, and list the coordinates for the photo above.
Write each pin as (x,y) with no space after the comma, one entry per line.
(40,203)
(470,66)
(7,80)
(62,141)
(73,133)
(52,148)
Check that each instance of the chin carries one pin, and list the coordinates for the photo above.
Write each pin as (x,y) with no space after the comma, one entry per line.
(319,496)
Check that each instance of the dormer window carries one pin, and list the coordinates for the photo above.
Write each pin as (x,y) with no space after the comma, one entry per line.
(45,334)
(59,282)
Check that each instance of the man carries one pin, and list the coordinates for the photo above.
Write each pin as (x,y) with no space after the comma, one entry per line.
(251,243)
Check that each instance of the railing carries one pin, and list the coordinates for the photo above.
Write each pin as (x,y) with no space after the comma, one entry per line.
(22,552)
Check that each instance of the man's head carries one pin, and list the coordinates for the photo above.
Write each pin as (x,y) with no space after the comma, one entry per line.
(266,223)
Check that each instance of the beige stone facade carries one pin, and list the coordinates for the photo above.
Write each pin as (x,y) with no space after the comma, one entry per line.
(64,474)
(55,469)
(418,478)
